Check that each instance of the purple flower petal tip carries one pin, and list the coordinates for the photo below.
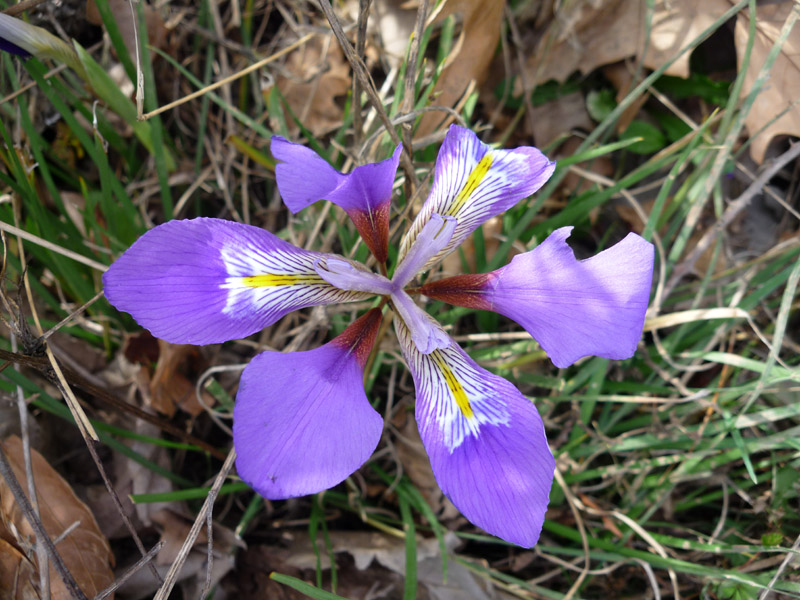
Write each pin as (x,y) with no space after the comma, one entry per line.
(303,176)
(204,281)
(368,186)
(500,479)
(578,308)
(302,421)
(573,308)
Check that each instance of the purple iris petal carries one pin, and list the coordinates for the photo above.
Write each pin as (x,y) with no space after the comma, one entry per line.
(485,440)
(204,281)
(426,333)
(473,183)
(304,177)
(302,422)
(436,234)
(7,46)
(573,308)
(347,276)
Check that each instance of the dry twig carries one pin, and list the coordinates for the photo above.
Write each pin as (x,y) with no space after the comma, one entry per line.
(361,72)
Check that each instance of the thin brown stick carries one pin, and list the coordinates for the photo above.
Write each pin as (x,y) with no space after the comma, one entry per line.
(361,43)
(131,571)
(573,505)
(527,91)
(361,72)
(734,208)
(72,315)
(51,246)
(22,407)
(174,570)
(41,549)
(81,420)
(90,444)
(410,85)
(21,7)
(41,363)
(226,80)
(785,563)
(41,534)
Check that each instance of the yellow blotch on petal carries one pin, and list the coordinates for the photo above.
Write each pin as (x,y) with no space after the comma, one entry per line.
(456,389)
(273,280)
(473,181)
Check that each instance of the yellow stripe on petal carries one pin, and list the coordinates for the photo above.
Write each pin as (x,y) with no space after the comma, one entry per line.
(274,280)
(455,396)
(456,389)
(473,183)
(475,178)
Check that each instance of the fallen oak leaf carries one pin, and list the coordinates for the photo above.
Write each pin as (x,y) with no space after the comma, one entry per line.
(85,550)
(588,34)
(41,363)
(471,55)
(783,86)
(17,574)
(314,76)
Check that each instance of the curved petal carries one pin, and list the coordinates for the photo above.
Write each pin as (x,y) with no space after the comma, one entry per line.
(473,183)
(348,276)
(573,308)
(302,422)
(304,177)
(204,281)
(426,333)
(436,234)
(485,440)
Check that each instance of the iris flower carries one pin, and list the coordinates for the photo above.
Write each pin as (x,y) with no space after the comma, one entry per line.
(302,420)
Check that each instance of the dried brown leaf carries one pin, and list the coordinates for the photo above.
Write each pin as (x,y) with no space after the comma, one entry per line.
(418,467)
(85,550)
(472,53)
(782,90)
(252,581)
(315,75)
(557,119)
(170,387)
(174,530)
(588,34)
(18,575)
(379,556)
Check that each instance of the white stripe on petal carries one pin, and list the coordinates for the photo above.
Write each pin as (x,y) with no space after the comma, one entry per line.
(204,281)
(276,280)
(473,183)
(454,395)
